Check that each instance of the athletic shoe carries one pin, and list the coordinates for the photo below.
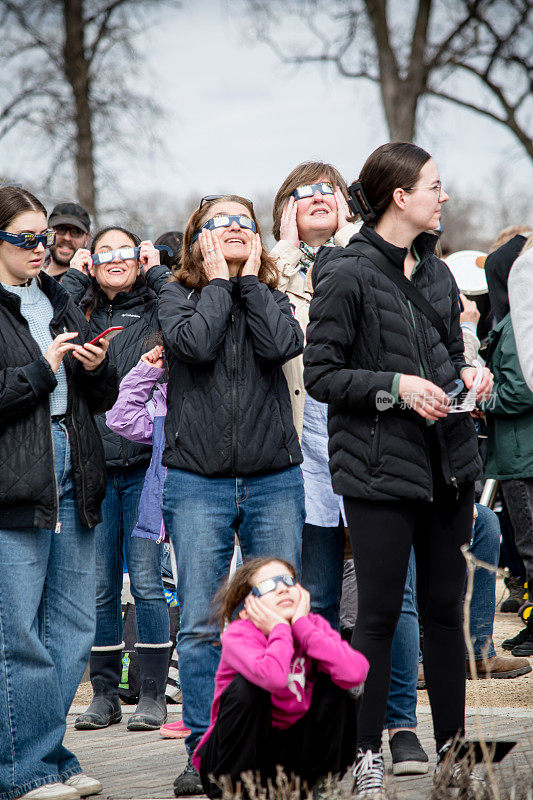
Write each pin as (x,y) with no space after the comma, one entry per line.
(51,791)
(500,667)
(369,774)
(408,755)
(84,785)
(454,772)
(188,782)
(174,730)
(520,637)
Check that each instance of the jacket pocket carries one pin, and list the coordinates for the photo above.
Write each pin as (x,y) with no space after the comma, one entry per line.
(375,440)
(283,431)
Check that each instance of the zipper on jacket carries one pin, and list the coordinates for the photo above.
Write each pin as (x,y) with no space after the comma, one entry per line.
(283,430)
(80,465)
(233,396)
(112,359)
(176,435)
(57,526)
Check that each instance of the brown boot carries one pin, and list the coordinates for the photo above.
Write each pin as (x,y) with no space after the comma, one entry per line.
(500,667)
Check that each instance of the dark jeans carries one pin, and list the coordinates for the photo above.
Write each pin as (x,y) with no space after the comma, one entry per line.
(323,741)
(382,535)
(322,562)
(518,495)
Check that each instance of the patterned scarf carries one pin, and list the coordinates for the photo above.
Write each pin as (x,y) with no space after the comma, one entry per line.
(309,254)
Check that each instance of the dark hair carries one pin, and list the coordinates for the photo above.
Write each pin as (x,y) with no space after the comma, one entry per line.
(89,300)
(307,172)
(15,201)
(174,240)
(191,272)
(393,165)
(231,594)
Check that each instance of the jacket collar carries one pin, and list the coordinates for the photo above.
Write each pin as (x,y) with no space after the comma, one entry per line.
(424,245)
(57,295)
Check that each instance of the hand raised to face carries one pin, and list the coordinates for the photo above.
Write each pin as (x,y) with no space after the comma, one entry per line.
(262,615)
(253,263)
(288,229)
(215,265)
(343,209)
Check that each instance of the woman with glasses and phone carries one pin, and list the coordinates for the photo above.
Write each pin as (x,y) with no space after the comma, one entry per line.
(52,483)
(384,350)
(283,689)
(311,210)
(232,453)
(116,284)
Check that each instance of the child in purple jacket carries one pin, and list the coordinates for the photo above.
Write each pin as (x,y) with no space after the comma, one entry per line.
(282,688)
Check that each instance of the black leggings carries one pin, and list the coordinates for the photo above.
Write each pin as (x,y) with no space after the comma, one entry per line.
(381,535)
(322,741)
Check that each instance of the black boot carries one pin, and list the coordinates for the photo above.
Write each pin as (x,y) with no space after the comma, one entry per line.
(151,712)
(105,669)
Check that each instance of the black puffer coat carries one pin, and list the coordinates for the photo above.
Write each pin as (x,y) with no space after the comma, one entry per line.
(229,411)
(360,335)
(136,311)
(28,495)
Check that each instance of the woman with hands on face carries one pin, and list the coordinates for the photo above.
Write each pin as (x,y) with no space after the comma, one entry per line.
(114,286)
(232,453)
(52,483)
(311,210)
(282,685)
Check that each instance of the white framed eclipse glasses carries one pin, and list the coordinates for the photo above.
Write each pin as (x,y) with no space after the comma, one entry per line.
(224,221)
(309,189)
(124,254)
(269,585)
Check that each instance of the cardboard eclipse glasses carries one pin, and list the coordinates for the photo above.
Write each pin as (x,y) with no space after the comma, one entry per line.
(124,254)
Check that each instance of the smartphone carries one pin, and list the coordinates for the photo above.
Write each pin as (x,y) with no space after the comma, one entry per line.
(109,334)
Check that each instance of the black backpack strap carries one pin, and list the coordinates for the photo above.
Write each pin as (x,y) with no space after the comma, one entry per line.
(384,265)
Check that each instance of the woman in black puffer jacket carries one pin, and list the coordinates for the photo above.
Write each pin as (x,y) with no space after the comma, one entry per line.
(123,292)
(232,451)
(405,466)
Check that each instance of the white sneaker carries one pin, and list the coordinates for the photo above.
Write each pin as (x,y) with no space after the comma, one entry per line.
(52,791)
(369,774)
(84,785)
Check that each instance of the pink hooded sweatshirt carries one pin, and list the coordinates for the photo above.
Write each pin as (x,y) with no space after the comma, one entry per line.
(280,664)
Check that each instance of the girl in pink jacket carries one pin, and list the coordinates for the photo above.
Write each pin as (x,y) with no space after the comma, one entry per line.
(284,686)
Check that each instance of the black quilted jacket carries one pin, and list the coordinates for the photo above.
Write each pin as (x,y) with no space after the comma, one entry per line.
(136,311)
(28,495)
(229,411)
(360,334)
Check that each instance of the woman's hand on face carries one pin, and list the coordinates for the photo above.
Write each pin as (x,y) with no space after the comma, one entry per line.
(91,355)
(149,256)
(215,265)
(303,606)
(261,615)
(484,390)
(470,312)
(58,348)
(253,263)
(82,260)
(154,357)
(288,229)
(343,209)
(424,397)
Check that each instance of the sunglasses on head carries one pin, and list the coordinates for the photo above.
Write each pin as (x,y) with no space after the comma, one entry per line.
(209,197)
(269,585)
(309,189)
(124,254)
(29,240)
(224,221)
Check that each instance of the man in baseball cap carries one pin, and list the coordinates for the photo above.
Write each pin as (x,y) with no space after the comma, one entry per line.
(72,225)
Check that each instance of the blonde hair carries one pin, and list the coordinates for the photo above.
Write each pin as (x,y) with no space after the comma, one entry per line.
(507,234)
(528,244)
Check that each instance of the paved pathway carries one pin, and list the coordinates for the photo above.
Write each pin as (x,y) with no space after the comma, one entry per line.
(143,765)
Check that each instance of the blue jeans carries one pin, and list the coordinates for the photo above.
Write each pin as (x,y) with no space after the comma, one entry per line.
(143,558)
(485,546)
(401,705)
(322,562)
(47,622)
(202,516)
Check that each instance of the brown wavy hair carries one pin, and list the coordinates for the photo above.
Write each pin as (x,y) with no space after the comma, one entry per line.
(307,172)
(233,593)
(191,272)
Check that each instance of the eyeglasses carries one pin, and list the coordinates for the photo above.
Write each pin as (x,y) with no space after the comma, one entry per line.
(209,197)
(68,230)
(28,241)
(269,585)
(124,254)
(224,221)
(436,187)
(309,189)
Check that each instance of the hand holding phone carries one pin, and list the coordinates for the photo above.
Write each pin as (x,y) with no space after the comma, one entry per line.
(108,334)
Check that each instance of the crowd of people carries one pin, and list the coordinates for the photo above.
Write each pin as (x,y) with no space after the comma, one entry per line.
(322,414)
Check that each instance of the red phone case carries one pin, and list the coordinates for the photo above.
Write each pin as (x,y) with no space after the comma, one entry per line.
(107,334)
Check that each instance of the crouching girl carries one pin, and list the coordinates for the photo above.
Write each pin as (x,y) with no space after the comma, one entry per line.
(281,688)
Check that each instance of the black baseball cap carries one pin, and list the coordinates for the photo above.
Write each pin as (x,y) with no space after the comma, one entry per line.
(70,214)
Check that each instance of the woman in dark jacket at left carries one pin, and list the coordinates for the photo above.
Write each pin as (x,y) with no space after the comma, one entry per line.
(232,450)
(117,285)
(52,482)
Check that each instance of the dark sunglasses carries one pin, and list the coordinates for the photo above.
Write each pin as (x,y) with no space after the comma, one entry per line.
(29,240)
(209,197)
(269,585)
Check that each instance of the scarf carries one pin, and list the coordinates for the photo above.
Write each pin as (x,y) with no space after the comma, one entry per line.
(309,254)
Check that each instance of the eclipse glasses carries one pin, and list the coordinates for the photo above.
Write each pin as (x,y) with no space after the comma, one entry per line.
(310,188)
(269,585)
(124,254)
(224,221)
(29,240)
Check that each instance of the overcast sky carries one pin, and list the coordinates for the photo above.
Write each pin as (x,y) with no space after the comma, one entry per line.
(238,120)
